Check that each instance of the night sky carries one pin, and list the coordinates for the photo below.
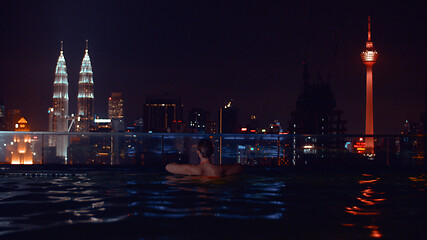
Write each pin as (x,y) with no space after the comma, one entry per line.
(211,51)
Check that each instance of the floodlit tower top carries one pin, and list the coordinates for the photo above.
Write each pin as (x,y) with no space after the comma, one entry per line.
(369,28)
(369,55)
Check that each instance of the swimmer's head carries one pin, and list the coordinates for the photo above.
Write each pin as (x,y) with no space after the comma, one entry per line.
(205,148)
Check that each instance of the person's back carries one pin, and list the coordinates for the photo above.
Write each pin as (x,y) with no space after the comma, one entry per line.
(205,168)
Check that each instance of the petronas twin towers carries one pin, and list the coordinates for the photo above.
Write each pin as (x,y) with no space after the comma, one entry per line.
(59,116)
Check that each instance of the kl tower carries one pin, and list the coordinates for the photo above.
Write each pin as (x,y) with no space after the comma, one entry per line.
(369,57)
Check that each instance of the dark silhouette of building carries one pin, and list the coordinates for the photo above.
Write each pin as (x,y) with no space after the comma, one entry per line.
(12,117)
(163,113)
(316,114)
(137,126)
(315,109)
(411,142)
(251,126)
(2,116)
(228,119)
(424,120)
(200,121)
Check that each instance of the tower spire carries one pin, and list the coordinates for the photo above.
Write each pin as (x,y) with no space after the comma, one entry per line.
(62,45)
(369,28)
(87,45)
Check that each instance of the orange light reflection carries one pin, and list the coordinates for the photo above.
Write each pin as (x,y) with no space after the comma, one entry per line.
(369,181)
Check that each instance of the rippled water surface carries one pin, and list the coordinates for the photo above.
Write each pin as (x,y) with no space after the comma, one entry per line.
(129,204)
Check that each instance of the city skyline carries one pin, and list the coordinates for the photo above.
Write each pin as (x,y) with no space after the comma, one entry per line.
(209,53)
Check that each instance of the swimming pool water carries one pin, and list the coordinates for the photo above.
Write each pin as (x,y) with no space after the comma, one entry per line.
(150,204)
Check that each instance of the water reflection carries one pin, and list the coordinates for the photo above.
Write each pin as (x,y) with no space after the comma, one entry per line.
(31,201)
(367,205)
(229,197)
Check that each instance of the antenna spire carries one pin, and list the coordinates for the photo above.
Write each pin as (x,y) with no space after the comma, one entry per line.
(62,46)
(87,44)
(369,28)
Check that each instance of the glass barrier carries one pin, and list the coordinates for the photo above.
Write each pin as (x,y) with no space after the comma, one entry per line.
(247,149)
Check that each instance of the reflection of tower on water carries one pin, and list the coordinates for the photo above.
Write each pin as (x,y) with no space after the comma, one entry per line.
(368,202)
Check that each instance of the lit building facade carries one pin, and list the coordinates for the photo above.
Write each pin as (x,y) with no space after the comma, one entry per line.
(58,114)
(85,97)
(21,146)
(369,57)
(115,106)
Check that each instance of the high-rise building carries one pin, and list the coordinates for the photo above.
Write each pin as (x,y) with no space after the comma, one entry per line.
(85,97)
(115,106)
(315,109)
(228,118)
(2,116)
(369,57)
(58,115)
(315,114)
(12,117)
(138,126)
(200,121)
(424,121)
(163,113)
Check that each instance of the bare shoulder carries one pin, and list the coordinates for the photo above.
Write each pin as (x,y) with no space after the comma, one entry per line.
(230,169)
(186,169)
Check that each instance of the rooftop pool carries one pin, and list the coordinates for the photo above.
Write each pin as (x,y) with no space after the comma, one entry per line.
(119,203)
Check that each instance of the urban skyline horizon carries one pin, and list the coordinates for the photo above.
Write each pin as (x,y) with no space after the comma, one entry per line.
(130,121)
(259,67)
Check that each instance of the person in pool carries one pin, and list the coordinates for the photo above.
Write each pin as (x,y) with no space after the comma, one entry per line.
(205,167)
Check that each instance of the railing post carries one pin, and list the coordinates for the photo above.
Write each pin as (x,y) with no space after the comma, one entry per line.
(111,149)
(278,150)
(162,145)
(220,136)
(388,152)
(220,150)
(42,148)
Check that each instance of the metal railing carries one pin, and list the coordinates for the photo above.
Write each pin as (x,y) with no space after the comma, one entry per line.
(249,149)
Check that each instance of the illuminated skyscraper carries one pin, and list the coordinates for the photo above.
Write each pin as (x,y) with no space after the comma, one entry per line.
(60,94)
(58,115)
(115,106)
(369,57)
(85,98)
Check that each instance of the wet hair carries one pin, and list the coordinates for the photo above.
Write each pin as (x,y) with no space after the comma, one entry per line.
(205,148)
